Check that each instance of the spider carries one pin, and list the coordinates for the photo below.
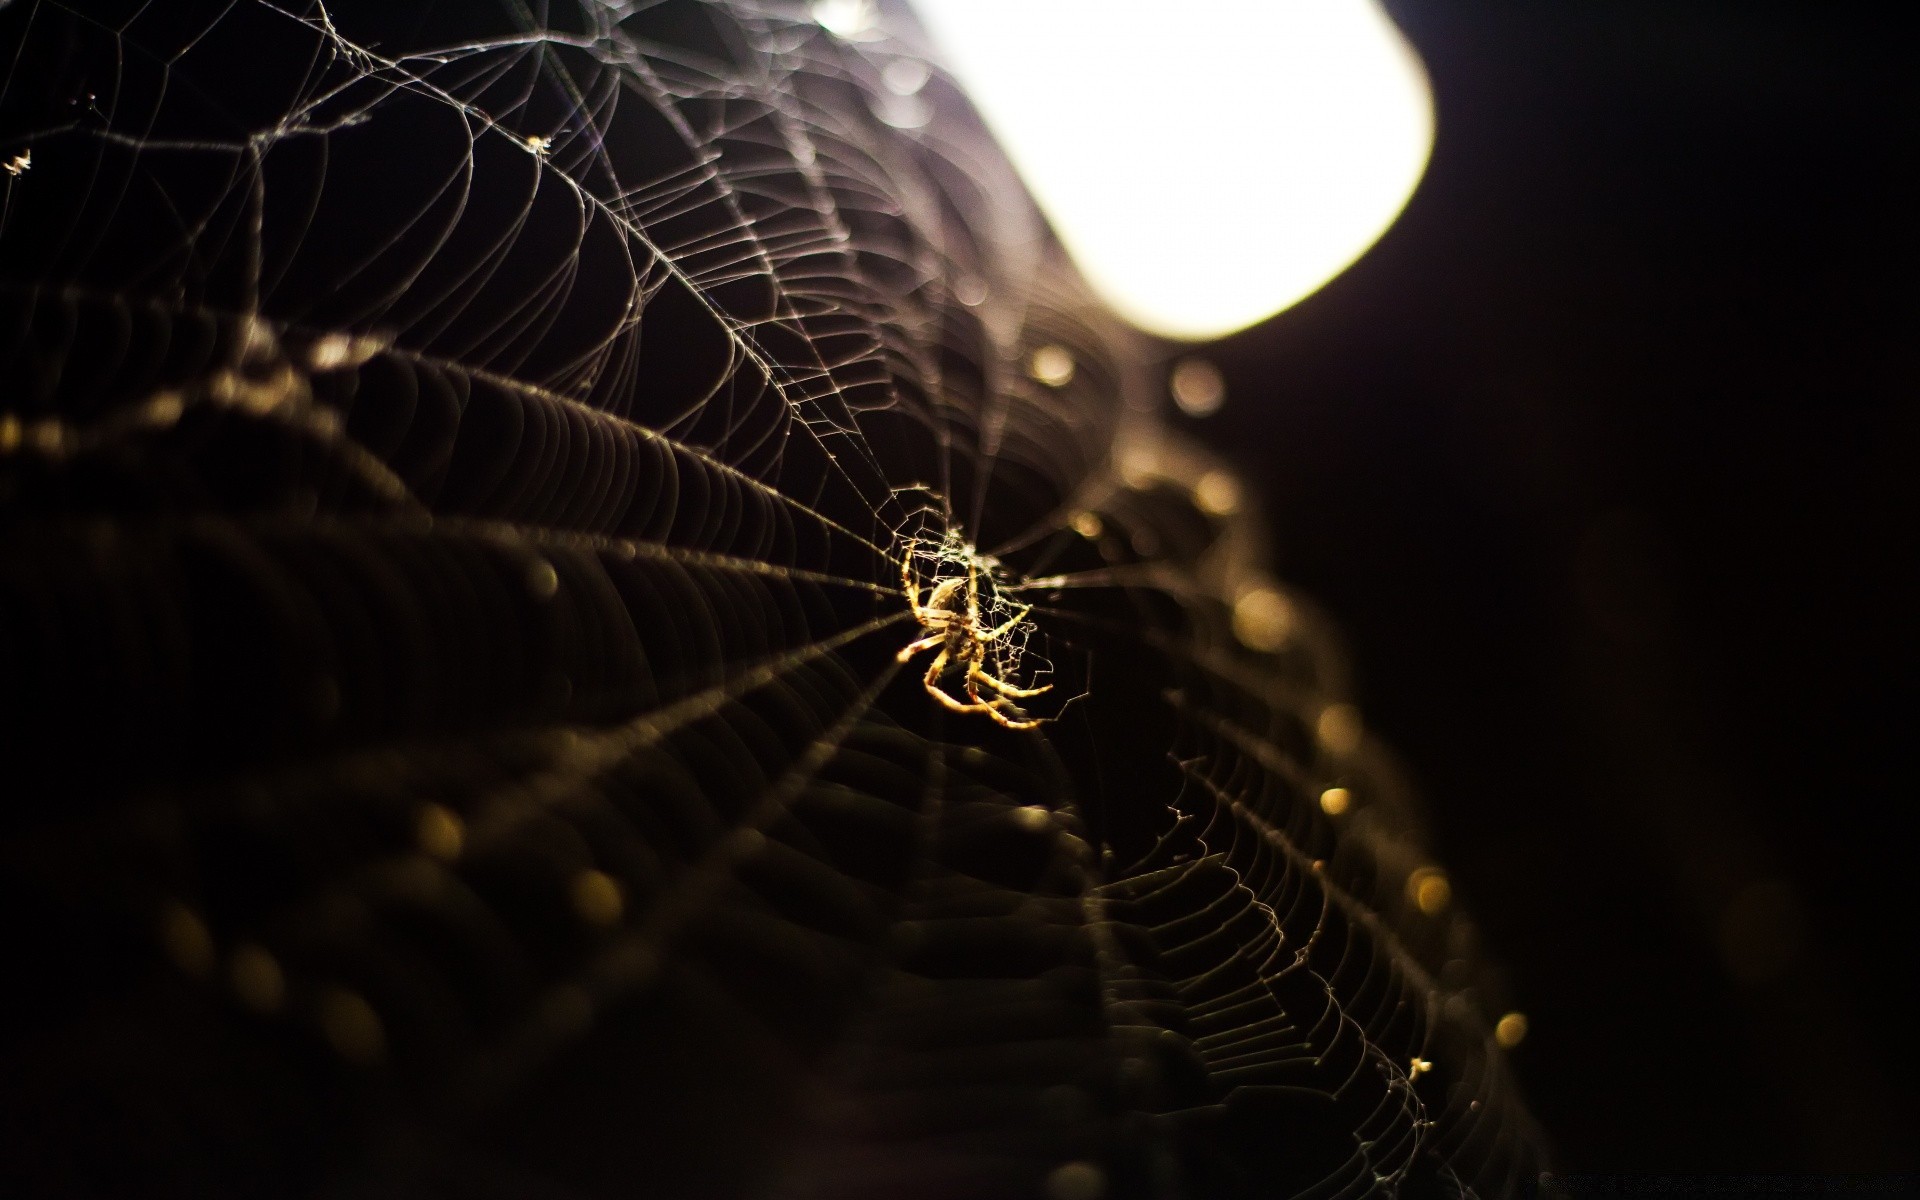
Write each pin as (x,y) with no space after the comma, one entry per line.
(951,618)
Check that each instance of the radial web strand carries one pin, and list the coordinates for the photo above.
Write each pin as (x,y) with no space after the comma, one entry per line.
(468,475)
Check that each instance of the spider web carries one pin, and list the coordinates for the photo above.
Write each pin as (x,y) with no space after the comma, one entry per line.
(458,466)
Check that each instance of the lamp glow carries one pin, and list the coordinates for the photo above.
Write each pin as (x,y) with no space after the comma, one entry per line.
(1206,162)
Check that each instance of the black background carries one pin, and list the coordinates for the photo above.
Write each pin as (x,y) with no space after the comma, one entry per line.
(1599,459)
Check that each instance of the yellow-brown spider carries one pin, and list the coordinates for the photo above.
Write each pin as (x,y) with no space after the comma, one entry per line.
(951,618)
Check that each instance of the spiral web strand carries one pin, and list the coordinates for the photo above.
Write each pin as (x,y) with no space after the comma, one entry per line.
(458,464)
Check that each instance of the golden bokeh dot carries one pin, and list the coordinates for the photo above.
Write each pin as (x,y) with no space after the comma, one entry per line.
(1139,467)
(351,1026)
(1339,729)
(1335,800)
(337,350)
(329,353)
(1510,1030)
(164,410)
(1051,365)
(596,897)
(49,436)
(440,832)
(1217,494)
(186,940)
(1197,386)
(1088,525)
(1262,619)
(542,580)
(1429,890)
(1033,818)
(256,979)
(1076,1181)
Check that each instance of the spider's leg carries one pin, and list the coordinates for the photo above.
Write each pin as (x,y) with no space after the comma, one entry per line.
(974,676)
(907,582)
(961,706)
(1007,689)
(932,681)
(958,705)
(1010,723)
(1018,617)
(934,668)
(913,648)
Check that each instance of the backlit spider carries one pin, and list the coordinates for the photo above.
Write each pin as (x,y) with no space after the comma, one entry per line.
(951,618)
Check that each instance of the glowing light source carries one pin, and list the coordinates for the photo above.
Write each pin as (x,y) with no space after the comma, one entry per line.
(850,19)
(1262,619)
(1429,890)
(542,580)
(1051,365)
(1033,818)
(440,832)
(1210,162)
(1077,1181)
(1511,1030)
(1340,729)
(596,897)
(1217,494)
(1197,386)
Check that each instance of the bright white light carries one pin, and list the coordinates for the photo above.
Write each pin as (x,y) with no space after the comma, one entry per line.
(1207,162)
(851,19)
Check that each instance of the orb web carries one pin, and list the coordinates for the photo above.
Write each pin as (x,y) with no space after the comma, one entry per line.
(459,466)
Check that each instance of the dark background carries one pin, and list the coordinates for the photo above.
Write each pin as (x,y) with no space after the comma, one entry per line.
(1600,459)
